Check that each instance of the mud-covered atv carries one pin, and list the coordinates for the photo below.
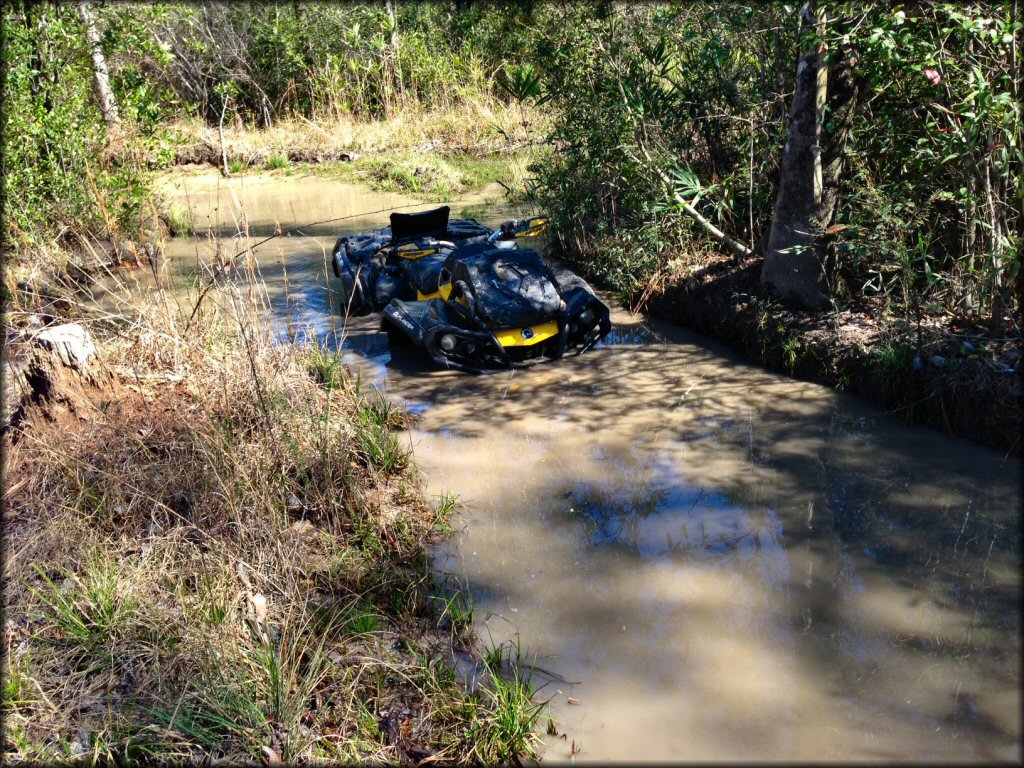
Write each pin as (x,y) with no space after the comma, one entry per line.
(470,296)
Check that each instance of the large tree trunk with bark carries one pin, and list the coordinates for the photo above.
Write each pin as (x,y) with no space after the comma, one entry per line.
(844,86)
(796,263)
(100,73)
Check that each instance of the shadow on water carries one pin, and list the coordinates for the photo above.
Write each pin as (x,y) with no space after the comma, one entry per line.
(815,534)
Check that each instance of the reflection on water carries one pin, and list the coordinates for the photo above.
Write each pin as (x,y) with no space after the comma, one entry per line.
(712,561)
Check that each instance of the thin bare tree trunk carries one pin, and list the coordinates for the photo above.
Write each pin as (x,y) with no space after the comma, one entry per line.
(1017,79)
(224,171)
(390,5)
(100,73)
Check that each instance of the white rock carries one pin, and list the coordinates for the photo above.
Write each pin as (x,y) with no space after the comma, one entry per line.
(71,342)
(259,604)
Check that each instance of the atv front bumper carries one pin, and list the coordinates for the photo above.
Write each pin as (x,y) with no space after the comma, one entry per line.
(455,339)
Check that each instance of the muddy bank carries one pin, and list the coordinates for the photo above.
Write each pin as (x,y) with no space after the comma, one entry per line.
(956,378)
(204,152)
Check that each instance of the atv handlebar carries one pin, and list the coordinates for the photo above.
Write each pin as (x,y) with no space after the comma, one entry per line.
(510,230)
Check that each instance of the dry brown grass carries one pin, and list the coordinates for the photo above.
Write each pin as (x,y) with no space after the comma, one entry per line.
(222,556)
(474,127)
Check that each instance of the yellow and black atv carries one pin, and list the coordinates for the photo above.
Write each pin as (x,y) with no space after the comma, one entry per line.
(470,296)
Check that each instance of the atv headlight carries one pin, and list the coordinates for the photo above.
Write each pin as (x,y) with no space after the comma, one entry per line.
(587,316)
(447,342)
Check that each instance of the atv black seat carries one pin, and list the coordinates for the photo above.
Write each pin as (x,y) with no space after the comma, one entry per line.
(466,230)
(408,226)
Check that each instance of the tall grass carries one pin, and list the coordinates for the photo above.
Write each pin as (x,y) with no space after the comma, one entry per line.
(226,559)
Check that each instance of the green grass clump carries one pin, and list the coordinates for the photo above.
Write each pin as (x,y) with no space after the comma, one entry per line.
(276,161)
(88,612)
(424,174)
(375,434)
(509,728)
(894,354)
(179,221)
(326,366)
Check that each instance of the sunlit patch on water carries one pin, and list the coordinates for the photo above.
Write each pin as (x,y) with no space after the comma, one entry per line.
(656,514)
(636,333)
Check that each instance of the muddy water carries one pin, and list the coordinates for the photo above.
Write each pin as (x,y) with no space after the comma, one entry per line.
(727,564)
(704,560)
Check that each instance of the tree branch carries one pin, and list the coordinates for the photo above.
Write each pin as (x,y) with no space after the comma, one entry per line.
(688,209)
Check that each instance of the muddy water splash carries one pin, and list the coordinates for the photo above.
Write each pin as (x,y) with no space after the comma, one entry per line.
(705,560)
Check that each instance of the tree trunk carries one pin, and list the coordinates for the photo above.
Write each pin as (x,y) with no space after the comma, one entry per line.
(795,263)
(843,96)
(390,6)
(100,73)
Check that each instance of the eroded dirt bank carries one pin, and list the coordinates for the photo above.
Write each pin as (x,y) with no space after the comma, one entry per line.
(956,378)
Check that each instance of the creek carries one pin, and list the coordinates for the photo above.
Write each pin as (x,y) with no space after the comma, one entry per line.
(703,559)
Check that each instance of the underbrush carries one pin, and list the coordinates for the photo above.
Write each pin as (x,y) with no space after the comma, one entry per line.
(220,554)
(437,153)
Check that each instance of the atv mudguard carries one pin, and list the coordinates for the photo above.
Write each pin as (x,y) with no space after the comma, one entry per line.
(578,297)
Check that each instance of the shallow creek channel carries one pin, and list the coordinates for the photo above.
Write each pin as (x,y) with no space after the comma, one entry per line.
(703,559)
